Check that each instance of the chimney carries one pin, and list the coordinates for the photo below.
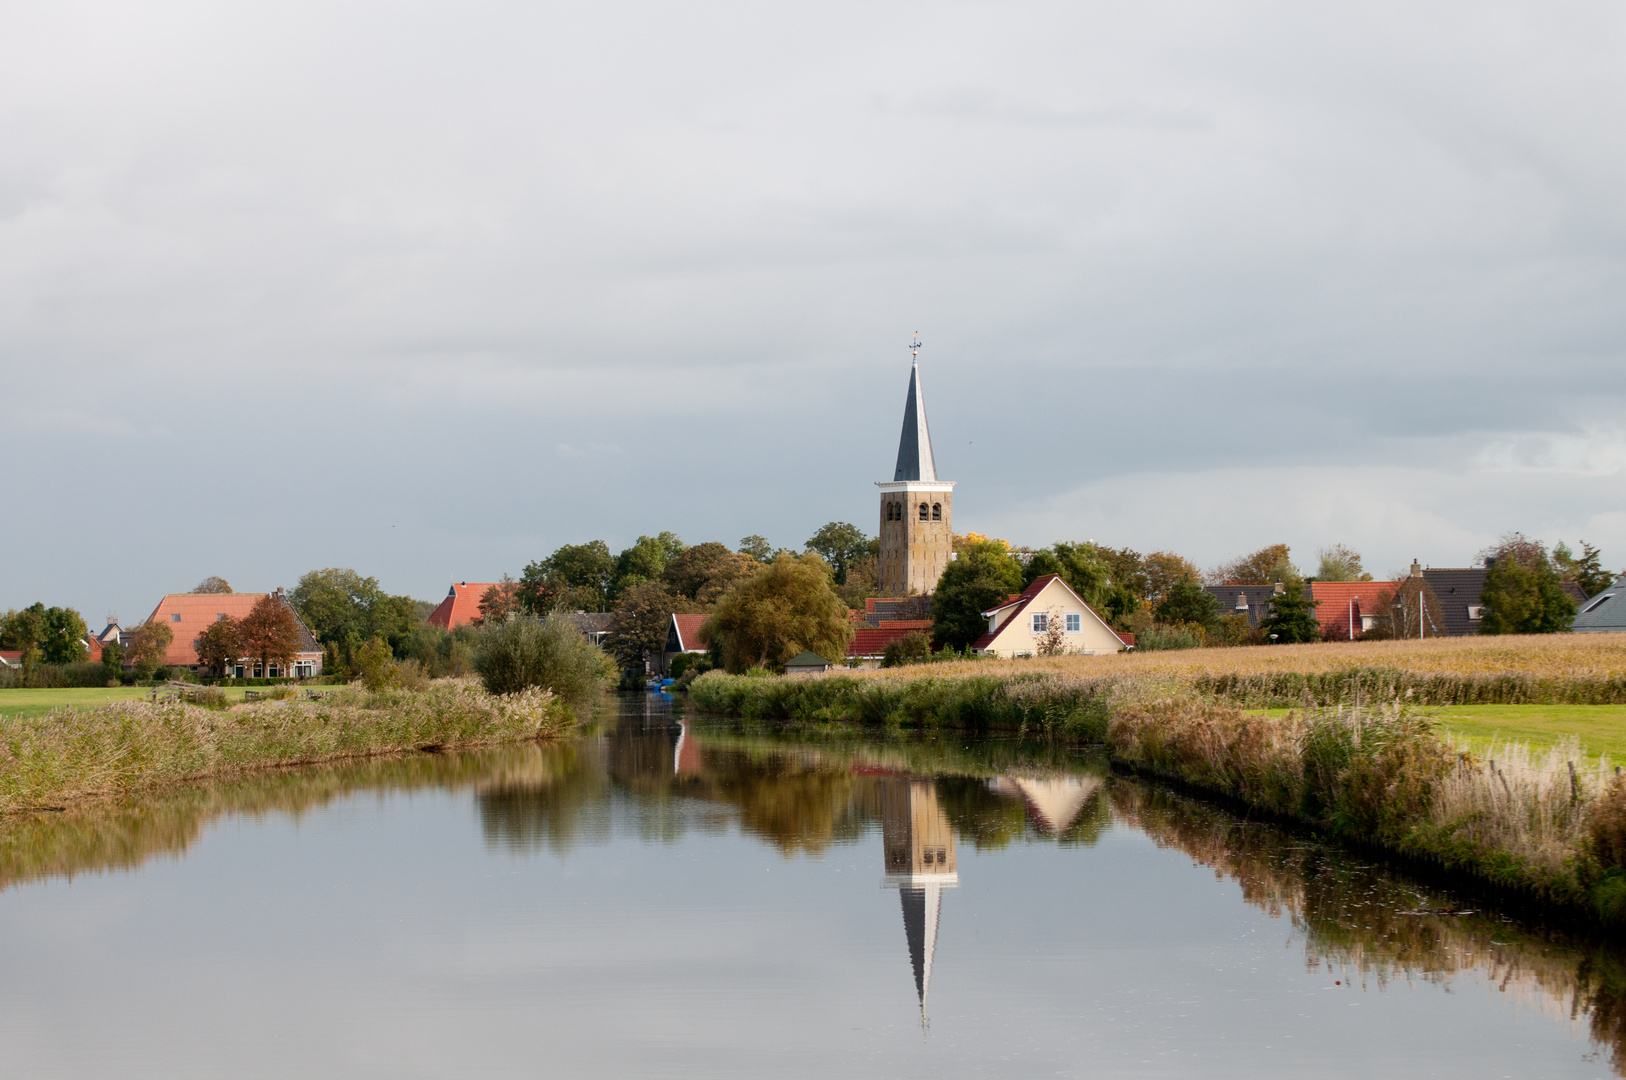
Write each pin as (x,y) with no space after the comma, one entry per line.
(1416,569)
(1279,589)
(1242,601)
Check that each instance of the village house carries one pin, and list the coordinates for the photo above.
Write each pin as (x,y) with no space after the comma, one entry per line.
(684,635)
(1019,627)
(1604,613)
(461,606)
(189,614)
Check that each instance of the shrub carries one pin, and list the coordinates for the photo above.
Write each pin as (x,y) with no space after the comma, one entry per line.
(1607,824)
(1161,636)
(911,648)
(549,653)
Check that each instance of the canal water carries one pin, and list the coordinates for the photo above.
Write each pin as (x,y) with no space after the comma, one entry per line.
(668,896)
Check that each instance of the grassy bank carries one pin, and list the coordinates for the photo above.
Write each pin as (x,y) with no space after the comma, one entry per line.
(1356,760)
(70,754)
(33,702)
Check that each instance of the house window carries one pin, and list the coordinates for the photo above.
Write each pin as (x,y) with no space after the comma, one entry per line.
(1075,622)
(937,511)
(1598,603)
(220,616)
(924,511)
(1041,622)
(175,617)
(1476,611)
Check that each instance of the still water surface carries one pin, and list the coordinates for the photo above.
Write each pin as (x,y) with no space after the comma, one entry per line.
(671,897)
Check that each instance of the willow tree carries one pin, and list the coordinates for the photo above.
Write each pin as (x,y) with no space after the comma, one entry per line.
(783,609)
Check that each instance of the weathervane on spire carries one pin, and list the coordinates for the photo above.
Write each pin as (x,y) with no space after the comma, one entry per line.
(914,348)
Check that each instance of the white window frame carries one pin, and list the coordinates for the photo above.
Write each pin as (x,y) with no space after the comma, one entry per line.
(1476,612)
(1039,621)
(1074,622)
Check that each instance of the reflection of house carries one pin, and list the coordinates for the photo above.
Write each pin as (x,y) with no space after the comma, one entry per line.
(1017,628)
(1052,803)
(461,606)
(189,614)
(918,845)
(1604,613)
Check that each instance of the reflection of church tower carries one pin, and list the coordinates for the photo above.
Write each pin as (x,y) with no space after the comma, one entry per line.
(918,842)
(917,509)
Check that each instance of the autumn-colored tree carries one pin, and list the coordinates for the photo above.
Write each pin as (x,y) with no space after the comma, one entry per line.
(1162,570)
(212,584)
(499,602)
(1413,611)
(643,615)
(219,646)
(270,633)
(149,645)
(1263,567)
(704,572)
(779,611)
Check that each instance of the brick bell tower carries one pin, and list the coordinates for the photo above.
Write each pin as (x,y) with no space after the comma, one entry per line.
(917,509)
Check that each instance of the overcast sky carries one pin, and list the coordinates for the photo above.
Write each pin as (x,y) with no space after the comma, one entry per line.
(430,289)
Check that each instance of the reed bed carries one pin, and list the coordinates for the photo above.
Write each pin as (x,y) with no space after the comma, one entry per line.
(71,754)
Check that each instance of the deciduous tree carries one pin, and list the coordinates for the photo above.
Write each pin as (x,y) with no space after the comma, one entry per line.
(981,578)
(212,584)
(219,646)
(757,547)
(344,609)
(1163,570)
(148,647)
(1585,570)
(645,560)
(1339,563)
(779,611)
(1187,602)
(270,633)
(62,636)
(499,601)
(643,615)
(1263,567)
(841,545)
(703,572)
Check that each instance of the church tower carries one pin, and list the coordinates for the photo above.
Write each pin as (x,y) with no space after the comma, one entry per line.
(917,509)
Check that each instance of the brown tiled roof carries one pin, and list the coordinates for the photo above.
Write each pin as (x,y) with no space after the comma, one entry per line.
(461,606)
(197,611)
(689,635)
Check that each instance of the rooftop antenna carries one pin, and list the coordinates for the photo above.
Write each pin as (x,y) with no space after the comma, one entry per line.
(914,349)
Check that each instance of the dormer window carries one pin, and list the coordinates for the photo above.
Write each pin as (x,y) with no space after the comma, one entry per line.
(1598,603)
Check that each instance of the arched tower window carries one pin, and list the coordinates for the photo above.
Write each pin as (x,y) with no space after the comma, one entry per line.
(937,511)
(924,511)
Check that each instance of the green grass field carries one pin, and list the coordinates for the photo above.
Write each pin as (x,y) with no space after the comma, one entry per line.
(1601,728)
(35,702)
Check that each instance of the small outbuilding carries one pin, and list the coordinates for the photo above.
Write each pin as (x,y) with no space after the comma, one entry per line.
(806,663)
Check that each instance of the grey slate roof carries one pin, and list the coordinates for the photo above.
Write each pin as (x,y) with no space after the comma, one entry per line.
(1604,613)
(915,461)
(1257,597)
(1457,590)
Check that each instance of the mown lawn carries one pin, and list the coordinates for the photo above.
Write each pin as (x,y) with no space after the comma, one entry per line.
(1601,728)
(35,702)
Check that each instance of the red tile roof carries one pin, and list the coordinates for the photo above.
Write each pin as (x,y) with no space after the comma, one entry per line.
(461,606)
(188,614)
(1126,637)
(1333,613)
(689,635)
(873,640)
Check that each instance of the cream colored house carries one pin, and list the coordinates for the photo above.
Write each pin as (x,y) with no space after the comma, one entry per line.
(1023,626)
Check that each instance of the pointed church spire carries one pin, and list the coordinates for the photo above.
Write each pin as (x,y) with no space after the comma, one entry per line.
(915,460)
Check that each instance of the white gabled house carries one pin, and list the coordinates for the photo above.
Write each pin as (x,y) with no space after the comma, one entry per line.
(1019,627)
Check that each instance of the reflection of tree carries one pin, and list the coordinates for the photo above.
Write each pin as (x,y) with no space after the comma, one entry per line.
(550,804)
(1358,918)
